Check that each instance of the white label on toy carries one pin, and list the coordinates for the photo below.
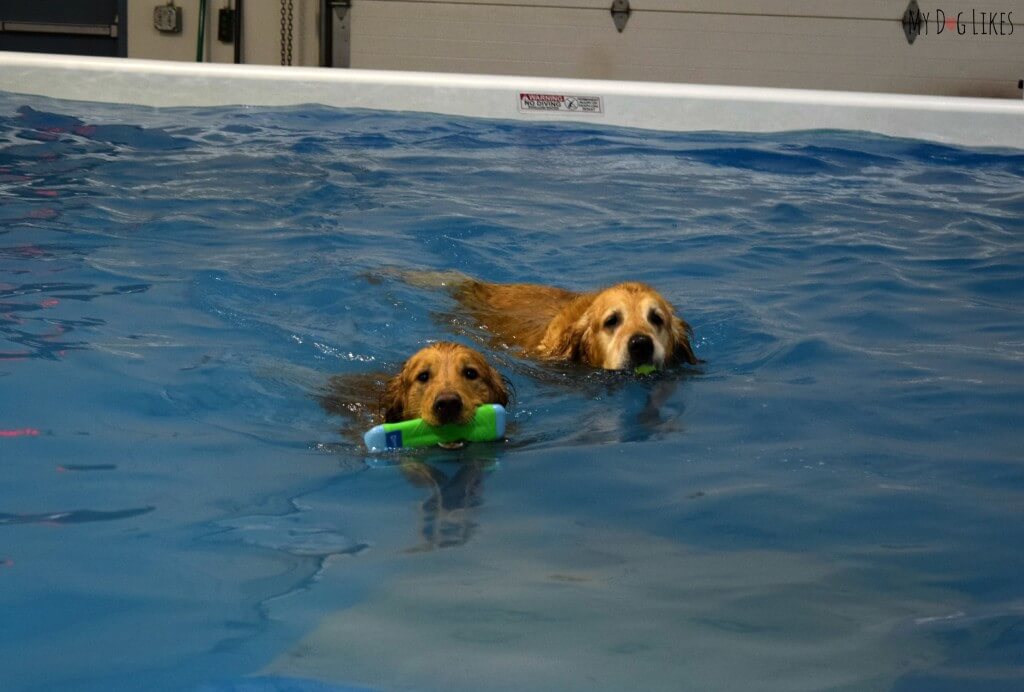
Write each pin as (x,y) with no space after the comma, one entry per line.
(560,103)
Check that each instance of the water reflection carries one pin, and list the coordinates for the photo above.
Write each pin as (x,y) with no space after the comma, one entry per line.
(453,479)
(75,516)
(571,406)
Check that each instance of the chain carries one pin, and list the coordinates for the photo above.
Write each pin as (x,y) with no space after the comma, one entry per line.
(287,11)
(283,55)
(290,32)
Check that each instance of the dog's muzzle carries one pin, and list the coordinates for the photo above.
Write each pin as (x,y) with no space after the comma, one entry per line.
(448,407)
(641,350)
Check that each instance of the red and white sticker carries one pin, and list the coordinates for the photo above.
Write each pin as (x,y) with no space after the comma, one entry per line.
(560,103)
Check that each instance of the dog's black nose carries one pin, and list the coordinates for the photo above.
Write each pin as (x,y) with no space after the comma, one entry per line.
(641,349)
(447,407)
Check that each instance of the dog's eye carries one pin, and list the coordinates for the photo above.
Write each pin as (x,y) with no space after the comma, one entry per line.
(470,373)
(423,376)
(655,319)
(612,321)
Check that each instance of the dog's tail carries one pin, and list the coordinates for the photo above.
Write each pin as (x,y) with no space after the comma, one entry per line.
(448,279)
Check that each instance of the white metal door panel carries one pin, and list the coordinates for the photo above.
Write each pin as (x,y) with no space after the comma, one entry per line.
(858,46)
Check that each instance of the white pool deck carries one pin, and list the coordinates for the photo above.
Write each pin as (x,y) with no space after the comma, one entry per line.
(649,105)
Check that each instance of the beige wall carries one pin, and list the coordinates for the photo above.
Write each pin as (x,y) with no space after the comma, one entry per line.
(823,44)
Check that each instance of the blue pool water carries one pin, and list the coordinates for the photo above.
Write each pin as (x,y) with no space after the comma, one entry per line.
(834,501)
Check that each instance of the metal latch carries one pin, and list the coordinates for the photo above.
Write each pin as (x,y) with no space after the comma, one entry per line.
(335,33)
(620,13)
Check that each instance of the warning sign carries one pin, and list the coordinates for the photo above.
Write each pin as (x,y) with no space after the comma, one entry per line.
(560,103)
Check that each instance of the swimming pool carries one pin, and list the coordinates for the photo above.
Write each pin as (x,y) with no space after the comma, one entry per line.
(834,501)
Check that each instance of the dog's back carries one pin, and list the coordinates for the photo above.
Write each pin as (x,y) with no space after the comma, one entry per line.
(518,314)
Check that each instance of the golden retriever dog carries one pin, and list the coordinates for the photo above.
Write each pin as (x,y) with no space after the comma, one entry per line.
(441,383)
(620,327)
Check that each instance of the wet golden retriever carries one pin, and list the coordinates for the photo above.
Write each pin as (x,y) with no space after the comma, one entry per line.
(620,327)
(441,383)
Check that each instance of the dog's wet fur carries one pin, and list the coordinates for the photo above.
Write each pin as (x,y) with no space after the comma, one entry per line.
(620,327)
(441,383)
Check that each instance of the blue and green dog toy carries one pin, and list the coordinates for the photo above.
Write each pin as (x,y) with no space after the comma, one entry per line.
(488,424)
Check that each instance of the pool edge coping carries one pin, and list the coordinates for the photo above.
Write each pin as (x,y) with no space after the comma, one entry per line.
(647,105)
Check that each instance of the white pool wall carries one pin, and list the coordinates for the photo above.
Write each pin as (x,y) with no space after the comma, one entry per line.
(655,106)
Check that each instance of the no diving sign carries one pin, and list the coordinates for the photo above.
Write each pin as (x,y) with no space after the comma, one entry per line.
(560,103)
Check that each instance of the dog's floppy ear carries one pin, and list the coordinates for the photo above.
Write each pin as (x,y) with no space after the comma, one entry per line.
(569,336)
(497,386)
(392,401)
(682,351)
(582,343)
(575,343)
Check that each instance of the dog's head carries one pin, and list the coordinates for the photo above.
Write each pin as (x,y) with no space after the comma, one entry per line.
(629,325)
(443,383)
